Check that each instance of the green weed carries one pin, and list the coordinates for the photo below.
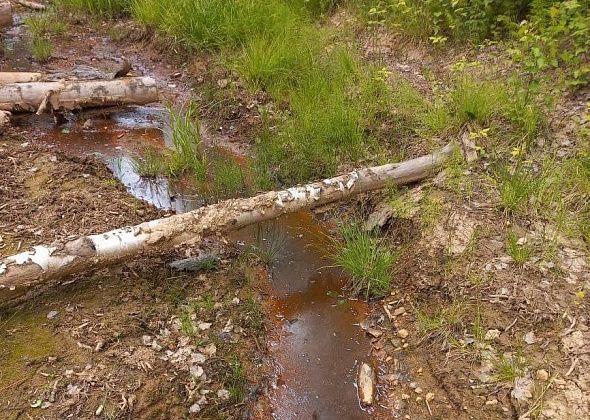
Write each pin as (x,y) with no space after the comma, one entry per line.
(41,49)
(228,178)
(517,186)
(236,381)
(108,8)
(187,155)
(270,242)
(477,101)
(151,164)
(520,252)
(507,369)
(367,259)
(444,322)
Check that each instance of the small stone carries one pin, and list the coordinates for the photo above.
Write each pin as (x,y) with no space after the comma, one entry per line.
(493,401)
(403,333)
(419,399)
(491,335)
(195,408)
(418,390)
(419,371)
(530,338)
(399,311)
(366,384)
(98,411)
(405,396)
(374,332)
(209,350)
(52,314)
(542,375)
(146,340)
(236,301)
(413,385)
(429,396)
(197,371)
(204,325)
(223,394)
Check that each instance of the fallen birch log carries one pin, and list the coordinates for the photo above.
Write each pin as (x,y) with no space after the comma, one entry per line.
(5,14)
(7,77)
(22,272)
(30,4)
(68,95)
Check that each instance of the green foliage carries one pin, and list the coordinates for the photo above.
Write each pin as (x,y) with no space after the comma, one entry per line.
(443,322)
(520,252)
(228,178)
(367,259)
(41,49)
(236,381)
(270,242)
(477,101)
(517,186)
(440,20)
(151,164)
(187,155)
(508,368)
(556,36)
(107,8)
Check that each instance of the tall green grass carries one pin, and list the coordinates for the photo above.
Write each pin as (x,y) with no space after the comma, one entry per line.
(107,8)
(367,259)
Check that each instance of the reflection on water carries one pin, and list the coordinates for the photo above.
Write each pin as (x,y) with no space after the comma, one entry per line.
(320,343)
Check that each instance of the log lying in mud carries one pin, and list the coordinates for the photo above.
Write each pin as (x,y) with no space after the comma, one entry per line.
(5,14)
(7,77)
(68,95)
(23,272)
(30,4)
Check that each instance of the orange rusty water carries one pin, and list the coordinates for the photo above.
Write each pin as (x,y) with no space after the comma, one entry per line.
(319,343)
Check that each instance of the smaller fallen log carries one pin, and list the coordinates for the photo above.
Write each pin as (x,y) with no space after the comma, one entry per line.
(21,273)
(76,94)
(5,14)
(7,77)
(30,4)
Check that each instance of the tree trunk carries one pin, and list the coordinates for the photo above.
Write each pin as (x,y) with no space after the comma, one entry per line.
(68,95)
(18,77)
(20,273)
(5,14)
(30,4)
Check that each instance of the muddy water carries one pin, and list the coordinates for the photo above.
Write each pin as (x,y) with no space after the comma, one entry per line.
(319,342)
(116,136)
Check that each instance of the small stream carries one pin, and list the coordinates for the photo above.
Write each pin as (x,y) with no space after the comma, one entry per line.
(318,343)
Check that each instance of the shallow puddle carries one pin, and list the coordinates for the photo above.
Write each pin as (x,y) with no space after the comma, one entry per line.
(319,343)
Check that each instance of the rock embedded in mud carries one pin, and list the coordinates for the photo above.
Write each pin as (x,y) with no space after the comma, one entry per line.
(366,384)
(403,333)
(542,375)
(399,311)
(223,394)
(373,332)
(52,314)
(491,335)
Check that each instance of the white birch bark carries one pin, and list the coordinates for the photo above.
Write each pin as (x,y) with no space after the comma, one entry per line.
(75,94)
(22,272)
(7,77)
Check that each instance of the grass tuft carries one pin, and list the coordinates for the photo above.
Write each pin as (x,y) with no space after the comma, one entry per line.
(520,252)
(367,259)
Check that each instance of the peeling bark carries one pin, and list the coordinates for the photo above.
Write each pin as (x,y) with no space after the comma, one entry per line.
(30,4)
(5,14)
(21,273)
(18,77)
(69,95)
